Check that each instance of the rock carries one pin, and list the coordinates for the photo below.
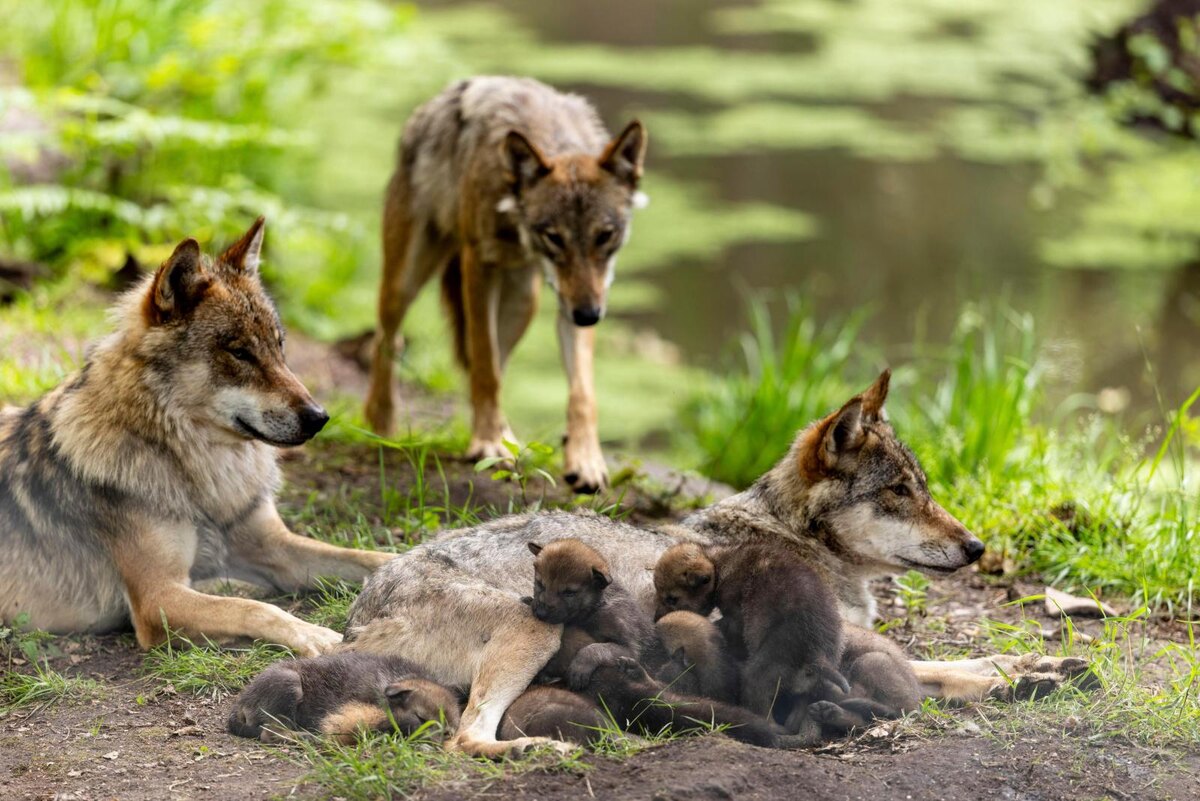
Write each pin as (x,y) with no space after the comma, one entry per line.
(1059,603)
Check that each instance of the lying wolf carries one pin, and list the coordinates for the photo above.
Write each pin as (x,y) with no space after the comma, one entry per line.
(154,465)
(849,498)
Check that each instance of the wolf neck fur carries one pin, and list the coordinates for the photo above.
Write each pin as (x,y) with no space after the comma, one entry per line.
(103,417)
(783,506)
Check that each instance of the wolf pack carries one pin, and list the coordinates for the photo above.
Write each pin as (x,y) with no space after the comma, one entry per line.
(155,466)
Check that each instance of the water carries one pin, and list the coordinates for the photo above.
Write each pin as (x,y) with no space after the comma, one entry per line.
(899,133)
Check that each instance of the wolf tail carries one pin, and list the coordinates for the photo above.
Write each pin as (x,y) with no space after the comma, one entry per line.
(452,299)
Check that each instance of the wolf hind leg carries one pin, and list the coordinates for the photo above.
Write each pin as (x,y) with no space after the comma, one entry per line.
(506,668)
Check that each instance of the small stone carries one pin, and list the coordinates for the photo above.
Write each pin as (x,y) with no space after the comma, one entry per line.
(1063,603)
(112,755)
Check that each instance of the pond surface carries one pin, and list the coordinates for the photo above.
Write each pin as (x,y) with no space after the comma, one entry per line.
(910,158)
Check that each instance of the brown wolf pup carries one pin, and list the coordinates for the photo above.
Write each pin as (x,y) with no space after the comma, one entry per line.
(498,180)
(154,466)
(572,586)
(554,713)
(339,695)
(700,660)
(773,607)
(638,703)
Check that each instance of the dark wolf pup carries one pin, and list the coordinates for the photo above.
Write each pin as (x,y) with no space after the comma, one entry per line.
(498,180)
(339,695)
(154,466)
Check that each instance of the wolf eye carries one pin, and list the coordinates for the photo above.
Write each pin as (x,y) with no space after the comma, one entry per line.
(901,490)
(604,236)
(671,600)
(553,239)
(241,354)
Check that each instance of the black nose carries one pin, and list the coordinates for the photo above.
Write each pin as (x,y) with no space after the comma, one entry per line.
(973,548)
(312,419)
(586,315)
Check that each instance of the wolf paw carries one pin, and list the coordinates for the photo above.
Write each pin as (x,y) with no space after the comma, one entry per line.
(583,467)
(315,640)
(525,745)
(482,447)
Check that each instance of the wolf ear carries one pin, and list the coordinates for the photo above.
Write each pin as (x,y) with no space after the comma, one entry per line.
(600,578)
(525,162)
(624,155)
(843,433)
(178,285)
(534,548)
(245,255)
(873,398)
(398,692)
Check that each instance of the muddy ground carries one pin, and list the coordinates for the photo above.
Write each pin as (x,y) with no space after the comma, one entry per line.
(139,738)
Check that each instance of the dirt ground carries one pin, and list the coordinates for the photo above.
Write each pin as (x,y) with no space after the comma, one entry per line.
(141,739)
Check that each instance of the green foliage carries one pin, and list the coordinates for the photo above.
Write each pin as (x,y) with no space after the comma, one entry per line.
(524,462)
(207,670)
(745,421)
(43,687)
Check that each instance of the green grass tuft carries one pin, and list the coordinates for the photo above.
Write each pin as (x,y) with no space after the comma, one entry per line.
(207,670)
(43,687)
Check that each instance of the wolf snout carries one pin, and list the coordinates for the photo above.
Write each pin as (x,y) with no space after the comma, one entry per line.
(973,548)
(312,419)
(587,315)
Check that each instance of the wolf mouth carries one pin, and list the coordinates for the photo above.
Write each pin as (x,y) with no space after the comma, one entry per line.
(254,433)
(923,566)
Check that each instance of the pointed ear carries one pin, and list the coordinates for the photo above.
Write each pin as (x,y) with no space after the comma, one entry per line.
(398,693)
(843,433)
(527,600)
(534,548)
(178,285)
(525,162)
(600,578)
(624,155)
(245,254)
(873,398)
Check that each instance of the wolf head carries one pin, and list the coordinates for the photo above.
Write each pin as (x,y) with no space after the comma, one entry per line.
(685,580)
(569,579)
(574,213)
(416,702)
(211,346)
(864,489)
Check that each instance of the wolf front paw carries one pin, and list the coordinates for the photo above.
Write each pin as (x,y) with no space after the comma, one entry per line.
(314,641)
(583,466)
(379,411)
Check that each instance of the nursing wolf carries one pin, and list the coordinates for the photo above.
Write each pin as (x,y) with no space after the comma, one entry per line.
(498,180)
(154,466)
(848,498)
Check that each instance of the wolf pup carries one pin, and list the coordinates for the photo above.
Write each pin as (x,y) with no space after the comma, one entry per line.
(154,466)
(340,694)
(499,179)
(554,713)
(699,660)
(572,585)
(773,607)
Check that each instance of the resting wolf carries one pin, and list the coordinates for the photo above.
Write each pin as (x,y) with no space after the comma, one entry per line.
(154,466)
(849,498)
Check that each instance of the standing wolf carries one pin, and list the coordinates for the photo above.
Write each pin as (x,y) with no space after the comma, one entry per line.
(848,498)
(155,465)
(500,179)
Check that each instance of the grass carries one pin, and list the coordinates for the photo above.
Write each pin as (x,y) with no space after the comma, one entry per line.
(43,687)
(207,670)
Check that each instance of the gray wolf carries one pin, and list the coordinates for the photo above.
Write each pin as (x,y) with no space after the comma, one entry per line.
(571,585)
(848,498)
(154,466)
(775,610)
(340,695)
(498,180)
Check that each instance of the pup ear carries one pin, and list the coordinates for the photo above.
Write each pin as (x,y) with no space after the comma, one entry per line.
(534,548)
(398,692)
(844,433)
(245,255)
(624,155)
(527,600)
(526,164)
(874,396)
(178,285)
(600,578)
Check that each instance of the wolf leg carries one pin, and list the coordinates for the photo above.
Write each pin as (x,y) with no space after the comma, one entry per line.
(506,667)
(517,304)
(989,677)
(410,259)
(292,562)
(481,297)
(583,461)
